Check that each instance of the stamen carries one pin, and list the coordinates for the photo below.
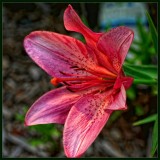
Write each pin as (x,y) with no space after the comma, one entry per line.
(54,81)
(85,80)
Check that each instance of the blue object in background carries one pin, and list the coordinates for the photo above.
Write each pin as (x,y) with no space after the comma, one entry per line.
(125,13)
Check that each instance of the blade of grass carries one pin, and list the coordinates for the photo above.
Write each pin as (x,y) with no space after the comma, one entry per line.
(146,120)
(151,70)
(140,75)
(153,31)
(154,137)
(143,81)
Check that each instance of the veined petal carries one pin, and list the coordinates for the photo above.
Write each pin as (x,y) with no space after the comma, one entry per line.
(84,122)
(115,45)
(52,107)
(100,84)
(56,53)
(118,100)
(125,81)
(73,22)
(100,58)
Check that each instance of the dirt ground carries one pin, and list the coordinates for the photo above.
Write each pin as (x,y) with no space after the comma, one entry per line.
(24,82)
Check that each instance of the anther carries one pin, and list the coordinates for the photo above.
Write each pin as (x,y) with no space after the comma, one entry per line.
(54,81)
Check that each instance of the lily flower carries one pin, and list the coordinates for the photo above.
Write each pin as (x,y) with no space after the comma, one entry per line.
(94,84)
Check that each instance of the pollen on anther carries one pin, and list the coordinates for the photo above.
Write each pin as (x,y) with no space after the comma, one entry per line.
(54,81)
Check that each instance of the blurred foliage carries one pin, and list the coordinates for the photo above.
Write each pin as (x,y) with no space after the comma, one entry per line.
(139,111)
(144,74)
(142,51)
(44,132)
(20,117)
(153,32)
(131,93)
(147,71)
(147,48)
(152,118)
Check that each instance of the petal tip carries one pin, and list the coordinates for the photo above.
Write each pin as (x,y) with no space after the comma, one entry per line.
(26,123)
(70,6)
(29,37)
(70,155)
(67,10)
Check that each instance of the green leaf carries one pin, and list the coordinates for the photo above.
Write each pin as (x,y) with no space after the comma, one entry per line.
(142,74)
(143,81)
(154,137)
(153,31)
(150,70)
(145,43)
(146,120)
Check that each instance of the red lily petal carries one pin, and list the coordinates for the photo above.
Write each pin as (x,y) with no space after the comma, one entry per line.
(100,84)
(84,122)
(73,22)
(126,81)
(52,107)
(119,100)
(104,61)
(115,45)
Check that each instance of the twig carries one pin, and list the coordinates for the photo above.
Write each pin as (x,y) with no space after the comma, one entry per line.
(4,151)
(105,146)
(16,152)
(21,142)
(149,144)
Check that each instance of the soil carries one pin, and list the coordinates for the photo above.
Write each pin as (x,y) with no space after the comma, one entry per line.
(24,82)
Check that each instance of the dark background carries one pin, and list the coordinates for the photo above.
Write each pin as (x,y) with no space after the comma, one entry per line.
(24,82)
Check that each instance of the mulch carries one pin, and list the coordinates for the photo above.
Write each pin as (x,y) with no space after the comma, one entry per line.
(24,82)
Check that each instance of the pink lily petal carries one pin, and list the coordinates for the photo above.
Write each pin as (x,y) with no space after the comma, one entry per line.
(72,22)
(118,100)
(52,107)
(58,55)
(84,122)
(115,45)
(55,53)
